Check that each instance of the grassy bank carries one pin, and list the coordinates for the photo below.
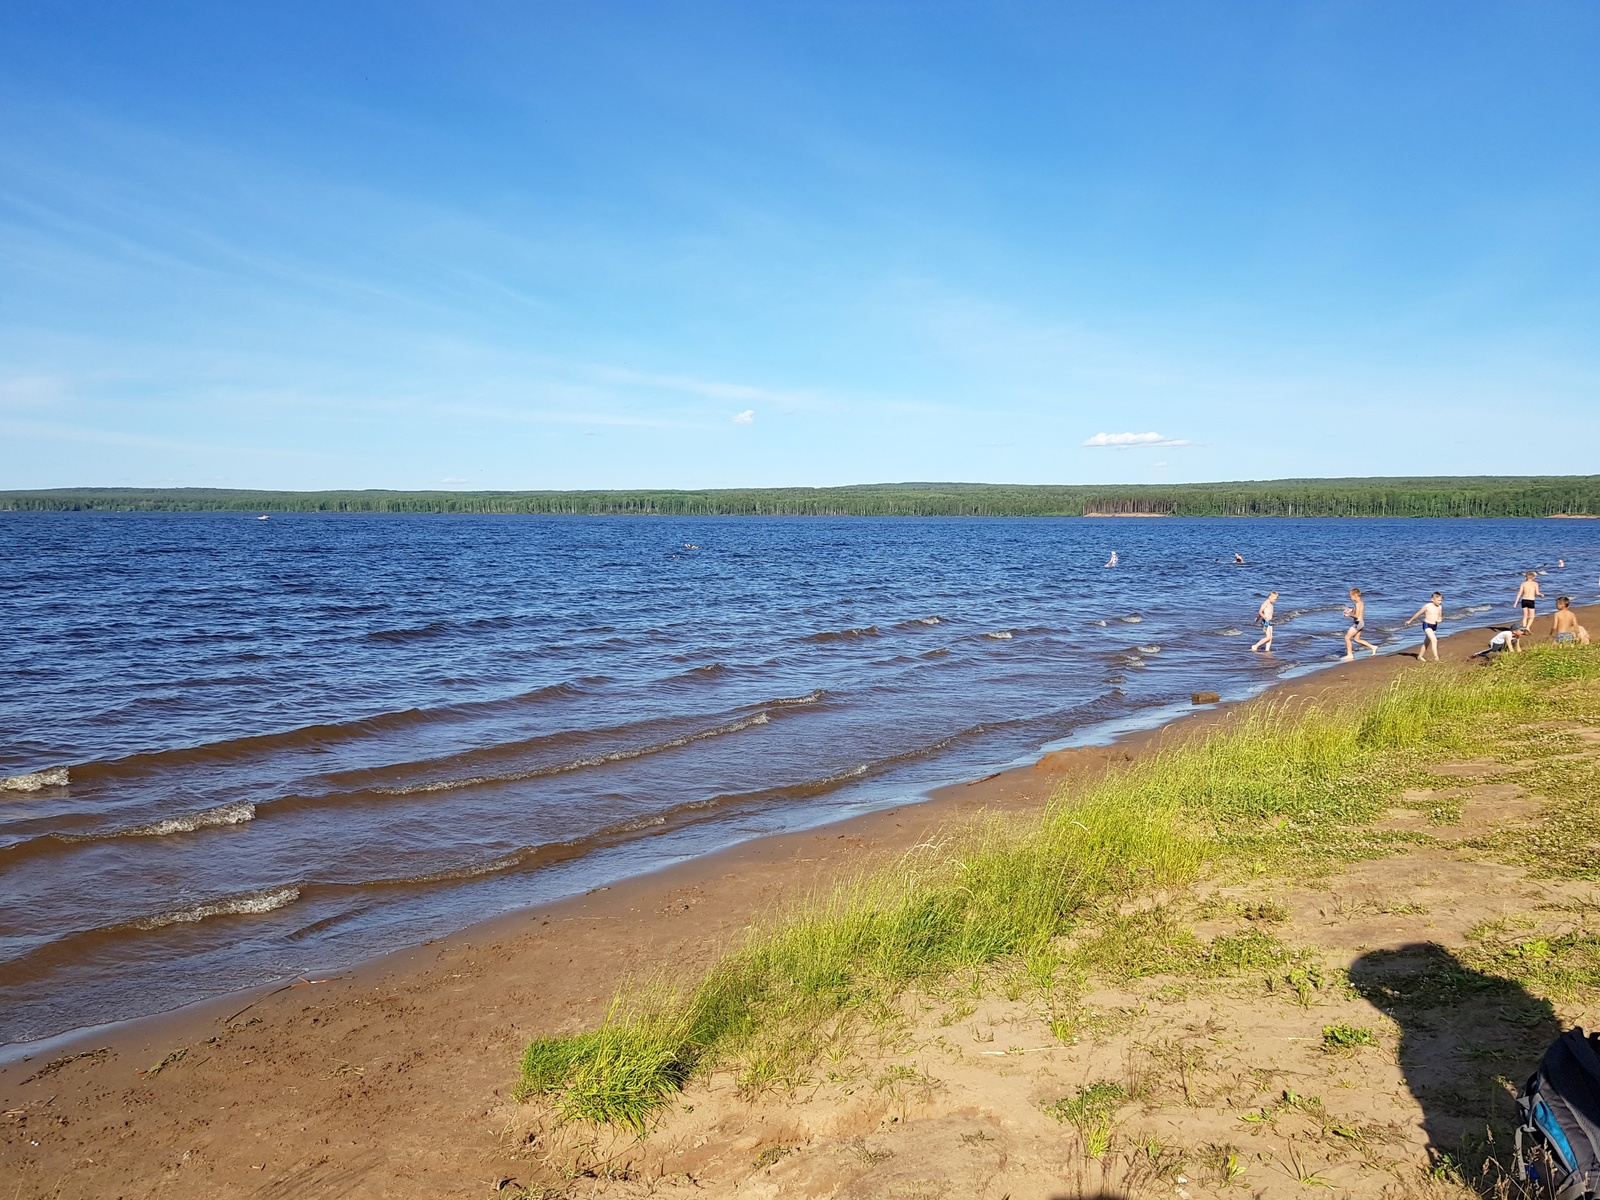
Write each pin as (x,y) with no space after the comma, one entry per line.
(1471,496)
(1075,893)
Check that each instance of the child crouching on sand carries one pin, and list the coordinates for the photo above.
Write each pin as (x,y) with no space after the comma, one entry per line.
(1506,641)
(1564,627)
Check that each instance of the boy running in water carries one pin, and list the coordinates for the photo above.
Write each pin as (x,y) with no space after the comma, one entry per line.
(1264,619)
(1357,612)
(1431,613)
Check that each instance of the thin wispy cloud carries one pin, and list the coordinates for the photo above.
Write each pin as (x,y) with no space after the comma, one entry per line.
(711,389)
(747,417)
(1129,441)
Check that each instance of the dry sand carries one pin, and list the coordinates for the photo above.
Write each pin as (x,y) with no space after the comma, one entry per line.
(394,1079)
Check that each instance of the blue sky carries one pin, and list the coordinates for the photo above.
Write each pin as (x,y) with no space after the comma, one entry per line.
(671,244)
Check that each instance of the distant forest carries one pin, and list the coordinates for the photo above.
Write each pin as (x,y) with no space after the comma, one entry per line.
(1470,496)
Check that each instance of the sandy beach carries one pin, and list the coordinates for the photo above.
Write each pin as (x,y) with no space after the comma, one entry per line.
(394,1079)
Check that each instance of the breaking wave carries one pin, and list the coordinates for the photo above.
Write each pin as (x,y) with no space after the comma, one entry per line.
(264,901)
(34,781)
(237,813)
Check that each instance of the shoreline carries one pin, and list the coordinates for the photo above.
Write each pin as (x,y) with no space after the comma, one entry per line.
(1121,735)
(421,1042)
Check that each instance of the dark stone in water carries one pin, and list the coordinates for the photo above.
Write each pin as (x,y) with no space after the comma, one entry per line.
(1205,698)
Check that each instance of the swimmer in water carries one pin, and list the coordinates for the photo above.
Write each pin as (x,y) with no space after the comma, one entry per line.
(1264,619)
(1431,613)
(1112,561)
(1357,612)
(1238,558)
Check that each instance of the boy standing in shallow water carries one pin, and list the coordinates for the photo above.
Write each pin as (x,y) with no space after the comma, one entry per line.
(1264,619)
(1431,613)
(1357,612)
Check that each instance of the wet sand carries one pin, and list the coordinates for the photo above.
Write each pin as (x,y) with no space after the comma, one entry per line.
(394,1078)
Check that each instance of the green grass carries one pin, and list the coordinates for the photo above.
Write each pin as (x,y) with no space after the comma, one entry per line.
(1547,966)
(1091,1109)
(1346,1037)
(1045,902)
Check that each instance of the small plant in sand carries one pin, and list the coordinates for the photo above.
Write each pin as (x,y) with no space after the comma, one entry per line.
(1346,1037)
(1091,1109)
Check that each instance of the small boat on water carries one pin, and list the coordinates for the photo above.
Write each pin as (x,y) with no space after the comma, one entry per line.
(263,517)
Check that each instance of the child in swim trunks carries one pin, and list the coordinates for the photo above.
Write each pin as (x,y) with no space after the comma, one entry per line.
(1432,613)
(1527,596)
(1564,627)
(1264,619)
(1357,612)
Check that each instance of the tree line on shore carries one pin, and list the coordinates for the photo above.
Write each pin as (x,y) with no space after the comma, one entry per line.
(1469,496)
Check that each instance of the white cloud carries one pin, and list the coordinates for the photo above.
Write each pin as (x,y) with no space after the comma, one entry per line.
(747,417)
(1125,441)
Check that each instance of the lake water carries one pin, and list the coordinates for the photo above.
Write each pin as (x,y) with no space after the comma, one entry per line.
(241,750)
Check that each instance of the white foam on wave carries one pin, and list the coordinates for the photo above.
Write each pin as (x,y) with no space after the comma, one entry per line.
(1230,632)
(1003,635)
(1102,624)
(637,824)
(1131,619)
(790,701)
(264,901)
(927,620)
(236,813)
(1148,649)
(35,780)
(1480,608)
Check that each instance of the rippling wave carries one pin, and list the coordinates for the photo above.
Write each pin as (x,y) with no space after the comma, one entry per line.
(237,813)
(843,635)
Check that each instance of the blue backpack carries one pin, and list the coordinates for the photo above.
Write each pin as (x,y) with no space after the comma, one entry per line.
(1558,1140)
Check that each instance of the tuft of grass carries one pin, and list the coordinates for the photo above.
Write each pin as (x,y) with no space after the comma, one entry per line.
(1091,1109)
(1346,1037)
(1280,788)
(618,1074)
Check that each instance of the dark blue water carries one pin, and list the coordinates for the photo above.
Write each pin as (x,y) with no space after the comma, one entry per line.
(239,750)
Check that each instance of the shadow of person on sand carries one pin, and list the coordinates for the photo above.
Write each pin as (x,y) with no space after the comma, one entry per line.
(1467,1041)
